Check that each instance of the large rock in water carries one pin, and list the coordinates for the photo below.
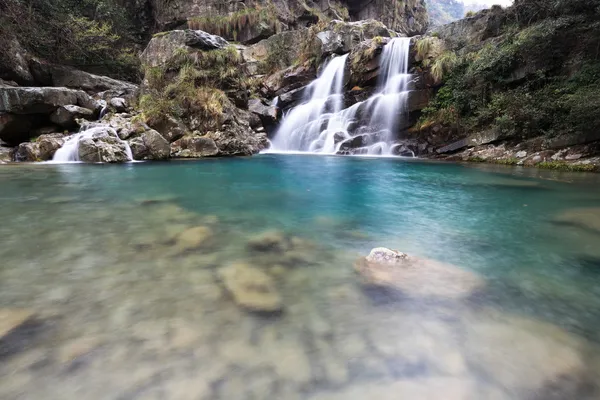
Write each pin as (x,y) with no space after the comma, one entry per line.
(150,145)
(102,145)
(251,288)
(416,277)
(42,149)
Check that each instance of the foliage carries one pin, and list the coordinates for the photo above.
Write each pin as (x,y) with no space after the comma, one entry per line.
(94,35)
(564,166)
(540,78)
(194,85)
(229,26)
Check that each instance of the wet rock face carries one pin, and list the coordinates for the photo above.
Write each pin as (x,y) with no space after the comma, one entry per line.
(416,277)
(66,116)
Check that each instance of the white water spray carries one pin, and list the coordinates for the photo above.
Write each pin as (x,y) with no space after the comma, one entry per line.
(320,125)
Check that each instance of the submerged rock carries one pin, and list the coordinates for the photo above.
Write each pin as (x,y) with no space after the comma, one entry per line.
(416,277)
(13,318)
(526,355)
(584,218)
(251,288)
(193,238)
(274,241)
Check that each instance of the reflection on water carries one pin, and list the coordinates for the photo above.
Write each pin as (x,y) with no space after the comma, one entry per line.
(234,279)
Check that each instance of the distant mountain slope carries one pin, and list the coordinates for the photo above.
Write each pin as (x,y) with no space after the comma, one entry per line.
(444,11)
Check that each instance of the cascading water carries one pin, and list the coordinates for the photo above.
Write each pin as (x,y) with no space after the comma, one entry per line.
(320,125)
(306,127)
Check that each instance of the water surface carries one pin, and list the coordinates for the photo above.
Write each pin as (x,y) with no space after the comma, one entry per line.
(122,312)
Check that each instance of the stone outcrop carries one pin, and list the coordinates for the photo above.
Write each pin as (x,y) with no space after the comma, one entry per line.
(416,277)
(409,17)
(46,74)
(150,145)
(164,46)
(67,116)
(23,109)
(194,146)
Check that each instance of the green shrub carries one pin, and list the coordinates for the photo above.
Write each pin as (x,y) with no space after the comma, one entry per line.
(94,35)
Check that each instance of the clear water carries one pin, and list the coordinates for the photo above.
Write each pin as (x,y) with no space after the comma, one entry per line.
(120,313)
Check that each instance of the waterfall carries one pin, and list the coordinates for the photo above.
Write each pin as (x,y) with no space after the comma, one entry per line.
(306,127)
(320,125)
(69,152)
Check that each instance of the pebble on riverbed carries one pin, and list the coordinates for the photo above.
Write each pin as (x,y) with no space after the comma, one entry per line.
(416,277)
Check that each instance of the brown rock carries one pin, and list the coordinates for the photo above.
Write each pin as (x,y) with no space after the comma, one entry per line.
(193,238)
(416,277)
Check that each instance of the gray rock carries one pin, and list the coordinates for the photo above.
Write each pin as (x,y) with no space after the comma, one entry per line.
(266,113)
(150,145)
(62,76)
(163,46)
(194,147)
(42,100)
(27,152)
(66,116)
(103,146)
(170,128)
(119,104)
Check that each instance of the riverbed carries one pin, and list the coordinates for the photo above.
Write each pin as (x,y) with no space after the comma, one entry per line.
(118,270)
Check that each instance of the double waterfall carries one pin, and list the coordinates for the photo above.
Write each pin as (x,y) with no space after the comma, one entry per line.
(322,125)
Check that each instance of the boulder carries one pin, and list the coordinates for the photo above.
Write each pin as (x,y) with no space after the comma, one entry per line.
(6,154)
(165,45)
(150,145)
(42,100)
(251,288)
(238,141)
(66,116)
(170,128)
(416,277)
(46,74)
(270,241)
(14,62)
(194,146)
(268,114)
(341,37)
(102,145)
(28,152)
(23,109)
(125,126)
(118,104)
